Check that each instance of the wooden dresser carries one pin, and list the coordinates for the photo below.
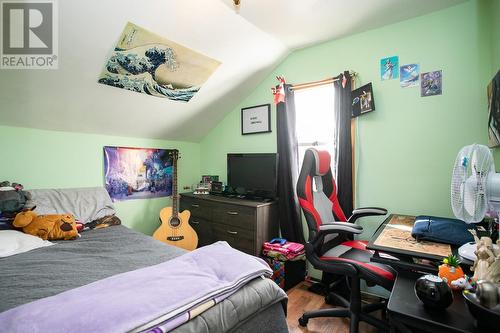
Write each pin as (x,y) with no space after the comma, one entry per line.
(244,224)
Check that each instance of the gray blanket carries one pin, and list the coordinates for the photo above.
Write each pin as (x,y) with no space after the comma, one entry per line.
(86,203)
(105,252)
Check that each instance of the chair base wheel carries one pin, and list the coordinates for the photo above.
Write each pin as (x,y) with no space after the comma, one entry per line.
(303,321)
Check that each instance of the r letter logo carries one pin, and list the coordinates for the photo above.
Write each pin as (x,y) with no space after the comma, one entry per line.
(29,34)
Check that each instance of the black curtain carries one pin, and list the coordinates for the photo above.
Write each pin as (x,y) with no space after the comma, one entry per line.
(289,211)
(343,152)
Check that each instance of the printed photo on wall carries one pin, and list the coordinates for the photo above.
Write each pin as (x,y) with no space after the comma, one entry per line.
(494,111)
(431,83)
(389,68)
(362,100)
(147,63)
(137,173)
(409,75)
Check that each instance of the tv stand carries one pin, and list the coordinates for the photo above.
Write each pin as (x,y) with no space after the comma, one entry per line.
(244,224)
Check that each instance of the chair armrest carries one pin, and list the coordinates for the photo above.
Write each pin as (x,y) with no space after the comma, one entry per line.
(366,211)
(340,227)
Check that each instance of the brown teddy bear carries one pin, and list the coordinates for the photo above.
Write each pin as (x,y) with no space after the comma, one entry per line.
(48,227)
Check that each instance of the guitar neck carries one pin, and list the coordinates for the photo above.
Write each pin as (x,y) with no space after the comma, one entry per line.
(175,197)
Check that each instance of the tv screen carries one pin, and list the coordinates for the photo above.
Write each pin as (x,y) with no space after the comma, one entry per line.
(253,174)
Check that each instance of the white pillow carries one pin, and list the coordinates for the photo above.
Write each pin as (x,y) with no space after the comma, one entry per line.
(14,242)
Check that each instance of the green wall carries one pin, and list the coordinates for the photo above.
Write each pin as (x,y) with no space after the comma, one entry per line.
(407,147)
(50,159)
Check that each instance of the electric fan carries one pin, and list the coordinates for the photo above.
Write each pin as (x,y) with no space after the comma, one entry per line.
(475,187)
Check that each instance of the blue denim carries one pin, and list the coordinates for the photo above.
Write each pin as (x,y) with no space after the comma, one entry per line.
(442,230)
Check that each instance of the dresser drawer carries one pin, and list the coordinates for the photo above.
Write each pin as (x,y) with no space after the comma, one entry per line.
(238,216)
(239,238)
(198,208)
(203,229)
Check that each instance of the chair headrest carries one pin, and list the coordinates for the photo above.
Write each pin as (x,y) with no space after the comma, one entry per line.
(322,161)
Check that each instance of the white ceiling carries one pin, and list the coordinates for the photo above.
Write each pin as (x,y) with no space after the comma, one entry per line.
(249,45)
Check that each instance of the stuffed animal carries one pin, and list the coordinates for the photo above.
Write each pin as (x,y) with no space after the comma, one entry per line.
(48,227)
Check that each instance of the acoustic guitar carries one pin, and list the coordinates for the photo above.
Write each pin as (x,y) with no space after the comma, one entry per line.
(175,229)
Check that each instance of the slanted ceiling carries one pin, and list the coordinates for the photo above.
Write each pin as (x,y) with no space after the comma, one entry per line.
(249,45)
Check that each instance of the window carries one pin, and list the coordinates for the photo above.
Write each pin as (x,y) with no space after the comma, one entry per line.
(315,120)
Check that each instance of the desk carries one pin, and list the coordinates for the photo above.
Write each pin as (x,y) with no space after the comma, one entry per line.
(393,237)
(407,313)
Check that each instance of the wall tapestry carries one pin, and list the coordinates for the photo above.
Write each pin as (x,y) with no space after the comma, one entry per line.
(137,173)
(147,63)
(389,68)
(409,75)
(431,84)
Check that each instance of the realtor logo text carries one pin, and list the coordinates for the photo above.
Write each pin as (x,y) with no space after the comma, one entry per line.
(29,35)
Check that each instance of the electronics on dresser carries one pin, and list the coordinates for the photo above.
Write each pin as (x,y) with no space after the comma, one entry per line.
(202,188)
(217,188)
(253,174)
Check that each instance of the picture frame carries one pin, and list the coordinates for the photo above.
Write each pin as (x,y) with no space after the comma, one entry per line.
(256,119)
(363,100)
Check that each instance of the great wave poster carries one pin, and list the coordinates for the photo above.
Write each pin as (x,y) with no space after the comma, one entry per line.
(145,62)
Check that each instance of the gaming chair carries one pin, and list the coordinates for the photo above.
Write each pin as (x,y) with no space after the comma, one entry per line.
(331,247)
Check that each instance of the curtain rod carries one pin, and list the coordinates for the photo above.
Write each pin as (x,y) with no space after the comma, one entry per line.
(300,86)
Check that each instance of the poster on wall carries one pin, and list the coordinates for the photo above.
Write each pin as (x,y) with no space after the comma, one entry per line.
(494,111)
(148,63)
(431,83)
(362,100)
(389,68)
(137,173)
(409,75)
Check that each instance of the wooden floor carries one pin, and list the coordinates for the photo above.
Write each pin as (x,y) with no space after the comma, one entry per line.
(301,300)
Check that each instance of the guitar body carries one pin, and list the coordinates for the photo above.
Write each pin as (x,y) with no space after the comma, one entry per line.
(176,231)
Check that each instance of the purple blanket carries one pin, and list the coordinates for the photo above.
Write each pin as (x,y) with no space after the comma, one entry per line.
(141,299)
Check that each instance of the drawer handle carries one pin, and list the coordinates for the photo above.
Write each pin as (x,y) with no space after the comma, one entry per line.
(232,232)
(195,205)
(232,213)
(195,222)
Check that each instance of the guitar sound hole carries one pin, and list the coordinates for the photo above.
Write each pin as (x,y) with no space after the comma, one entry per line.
(174,221)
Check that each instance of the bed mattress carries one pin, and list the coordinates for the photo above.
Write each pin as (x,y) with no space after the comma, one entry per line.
(102,253)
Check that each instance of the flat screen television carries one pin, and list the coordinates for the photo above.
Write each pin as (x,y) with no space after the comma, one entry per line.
(253,175)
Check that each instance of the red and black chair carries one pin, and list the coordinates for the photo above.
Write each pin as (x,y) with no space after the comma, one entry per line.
(331,247)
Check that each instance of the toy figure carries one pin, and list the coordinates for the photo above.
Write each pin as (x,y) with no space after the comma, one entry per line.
(462,283)
(450,270)
(485,257)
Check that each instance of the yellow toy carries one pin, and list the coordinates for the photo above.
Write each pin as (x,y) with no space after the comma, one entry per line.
(48,227)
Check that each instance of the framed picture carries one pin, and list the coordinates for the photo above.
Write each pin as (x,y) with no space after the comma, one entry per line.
(494,111)
(362,100)
(256,119)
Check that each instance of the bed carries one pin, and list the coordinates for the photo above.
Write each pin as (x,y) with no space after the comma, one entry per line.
(259,306)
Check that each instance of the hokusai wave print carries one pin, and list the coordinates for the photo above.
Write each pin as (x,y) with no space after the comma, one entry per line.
(147,63)
(137,173)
